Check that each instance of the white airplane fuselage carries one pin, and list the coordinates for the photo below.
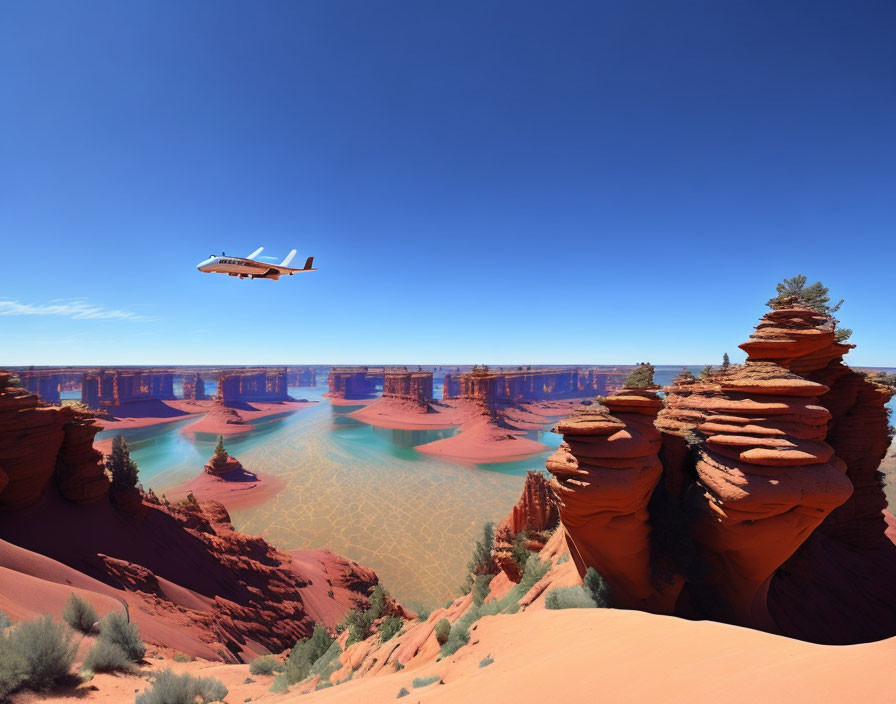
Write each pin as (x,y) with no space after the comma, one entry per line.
(251,268)
(235,266)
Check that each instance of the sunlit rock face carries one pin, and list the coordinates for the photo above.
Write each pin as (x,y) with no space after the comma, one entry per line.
(40,443)
(606,470)
(765,480)
(752,497)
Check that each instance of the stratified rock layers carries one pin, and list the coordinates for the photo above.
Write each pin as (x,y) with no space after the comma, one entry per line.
(533,517)
(755,498)
(607,469)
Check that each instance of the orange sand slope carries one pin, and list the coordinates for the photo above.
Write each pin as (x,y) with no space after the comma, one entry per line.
(584,655)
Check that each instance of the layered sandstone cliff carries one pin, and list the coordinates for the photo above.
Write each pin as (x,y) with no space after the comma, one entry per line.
(531,521)
(754,497)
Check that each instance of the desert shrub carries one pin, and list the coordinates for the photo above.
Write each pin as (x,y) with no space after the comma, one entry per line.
(79,614)
(458,638)
(390,627)
(486,661)
(442,630)
(305,653)
(598,588)
(423,613)
(4,621)
(480,587)
(425,681)
(182,657)
(45,651)
(377,602)
(266,665)
(569,598)
(327,663)
(170,688)
(482,561)
(280,684)
(116,629)
(106,656)
(13,668)
(402,693)
(519,552)
(641,377)
(706,372)
(842,334)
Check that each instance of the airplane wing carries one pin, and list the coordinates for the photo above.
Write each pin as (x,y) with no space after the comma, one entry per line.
(279,269)
(255,253)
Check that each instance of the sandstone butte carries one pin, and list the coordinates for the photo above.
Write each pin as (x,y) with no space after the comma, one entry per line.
(193,583)
(751,497)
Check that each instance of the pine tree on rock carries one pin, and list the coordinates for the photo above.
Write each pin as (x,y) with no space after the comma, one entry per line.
(120,466)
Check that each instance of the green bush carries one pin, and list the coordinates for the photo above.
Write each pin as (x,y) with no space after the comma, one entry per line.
(170,688)
(305,653)
(45,651)
(423,613)
(106,656)
(598,588)
(182,657)
(569,598)
(280,684)
(13,668)
(327,663)
(482,561)
(814,296)
(266,665)
(402,693)
(442,630)
(116,629)
(425,681)
(79,614)
(486,661)
(480,588)
(519,552)
(641,377)
(377,602)
(459,637)
(390,627)
(4,621)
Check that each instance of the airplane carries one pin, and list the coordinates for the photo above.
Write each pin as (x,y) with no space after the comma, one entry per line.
(250,268)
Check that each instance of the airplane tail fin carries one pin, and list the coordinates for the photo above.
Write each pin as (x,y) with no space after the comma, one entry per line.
(309,263)
(288,259)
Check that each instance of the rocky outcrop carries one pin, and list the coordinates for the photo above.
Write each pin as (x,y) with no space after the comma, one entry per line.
(414,387)
(194,387)
(606,470)
(38,443)
(219,465)
(533,518)
(354,382)
(757,499)
(252,385)
(765,480)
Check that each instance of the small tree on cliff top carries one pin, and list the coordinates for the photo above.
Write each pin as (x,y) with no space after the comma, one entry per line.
(120,466)
(814,296)
(641,377)
(726,362)
(220,452)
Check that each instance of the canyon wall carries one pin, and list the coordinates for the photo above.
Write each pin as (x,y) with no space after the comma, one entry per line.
(41,444)
(194,387)
(263,385)
(752,497)
(403,385)
(114,387)
(354,382)
(301,376)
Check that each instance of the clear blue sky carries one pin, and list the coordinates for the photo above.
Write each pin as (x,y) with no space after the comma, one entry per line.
(478,181)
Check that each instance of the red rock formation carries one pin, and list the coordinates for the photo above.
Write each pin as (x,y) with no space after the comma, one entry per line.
(114,387)
(606,470)
(222,464)
(184,560)
(354,382)
(38,442)
(847,568)
(770,512)
(194,387)
(766,480)
(534,516)
(302,376)
(252,385)
(402,385)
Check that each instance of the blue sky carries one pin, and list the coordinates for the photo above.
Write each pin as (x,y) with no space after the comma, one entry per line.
(570,182)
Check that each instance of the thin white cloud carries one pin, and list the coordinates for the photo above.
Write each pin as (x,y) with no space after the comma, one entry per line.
(76,308)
